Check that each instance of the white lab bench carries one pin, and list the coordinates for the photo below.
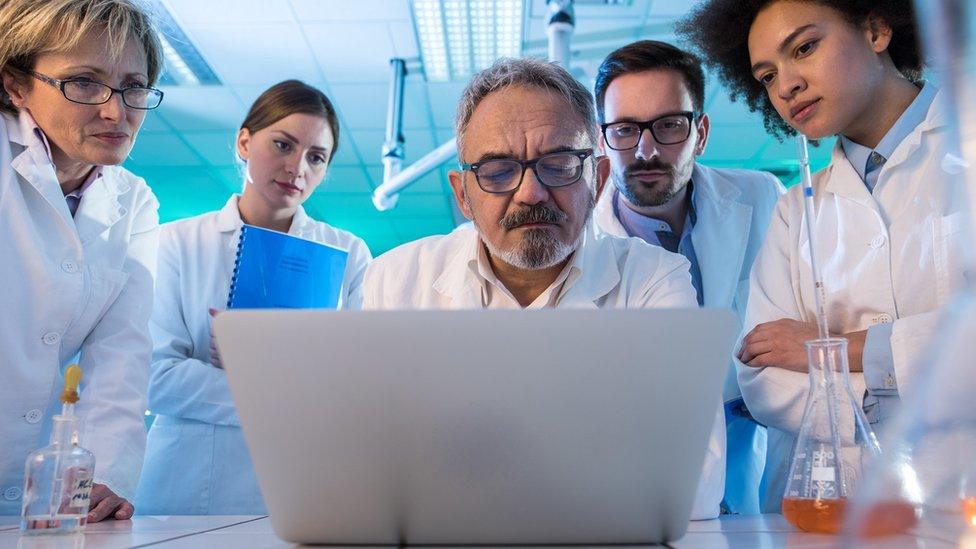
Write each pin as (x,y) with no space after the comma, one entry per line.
(253,532)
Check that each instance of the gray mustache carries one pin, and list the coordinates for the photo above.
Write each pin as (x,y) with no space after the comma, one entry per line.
(535,214)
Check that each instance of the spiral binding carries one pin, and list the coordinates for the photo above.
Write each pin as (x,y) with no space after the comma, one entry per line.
(237,265)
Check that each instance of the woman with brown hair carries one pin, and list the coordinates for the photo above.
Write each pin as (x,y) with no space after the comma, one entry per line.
(196,459)
(77,234)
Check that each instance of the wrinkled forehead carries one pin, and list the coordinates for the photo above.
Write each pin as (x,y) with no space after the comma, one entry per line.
(523,122)
(95,51)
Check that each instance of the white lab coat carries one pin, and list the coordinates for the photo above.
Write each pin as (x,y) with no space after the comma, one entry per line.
(439,272)
(733,209)
(894,256)
(196,458)
(70,285)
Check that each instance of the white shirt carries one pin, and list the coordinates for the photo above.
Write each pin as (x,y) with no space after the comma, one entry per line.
(69,286)
(196,459)
(891,256)
(452,272)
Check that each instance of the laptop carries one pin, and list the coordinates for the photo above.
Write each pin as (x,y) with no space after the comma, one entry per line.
(477,427)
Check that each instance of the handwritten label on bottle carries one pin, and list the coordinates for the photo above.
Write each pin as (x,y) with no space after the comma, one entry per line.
(81,493)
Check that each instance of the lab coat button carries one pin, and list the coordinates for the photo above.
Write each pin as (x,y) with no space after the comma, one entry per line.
(69,266)
(878,241)
(884,318)
(51,338)
(11,494)
(33,416)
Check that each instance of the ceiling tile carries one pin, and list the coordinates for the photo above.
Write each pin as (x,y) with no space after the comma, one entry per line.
(257,54)
(365,106)
(370,144)
(360,10)
(195,108)
(404,39)
(351,53)
(444,99)
(195,12)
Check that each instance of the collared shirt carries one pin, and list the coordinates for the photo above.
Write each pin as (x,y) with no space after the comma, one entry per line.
(868,162)
(494,294)
(658,232)
(74,197)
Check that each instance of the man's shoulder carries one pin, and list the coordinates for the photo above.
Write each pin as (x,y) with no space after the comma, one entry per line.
(751,182)
(430,248)
(758,189)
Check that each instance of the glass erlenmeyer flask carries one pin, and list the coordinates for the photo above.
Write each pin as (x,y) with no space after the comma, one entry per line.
(833,443)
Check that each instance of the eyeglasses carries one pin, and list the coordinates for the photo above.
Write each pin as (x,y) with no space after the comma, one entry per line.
(504,175)
(89,92)
(669,129)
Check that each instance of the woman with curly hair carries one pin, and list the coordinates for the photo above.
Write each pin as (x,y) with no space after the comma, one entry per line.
(888,237)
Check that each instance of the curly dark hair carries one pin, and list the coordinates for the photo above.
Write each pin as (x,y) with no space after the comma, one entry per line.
(719,31)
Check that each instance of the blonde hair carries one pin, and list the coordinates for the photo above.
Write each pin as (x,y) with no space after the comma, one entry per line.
(30,28)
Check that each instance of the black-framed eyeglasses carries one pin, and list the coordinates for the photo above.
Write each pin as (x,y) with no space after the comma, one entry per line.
(504,175)
(89,92)
(669,129)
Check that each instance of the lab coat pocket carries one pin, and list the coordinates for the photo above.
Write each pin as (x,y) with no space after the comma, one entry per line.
(948,253)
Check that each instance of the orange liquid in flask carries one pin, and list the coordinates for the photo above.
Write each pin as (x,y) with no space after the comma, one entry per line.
(969,511)
(824,516)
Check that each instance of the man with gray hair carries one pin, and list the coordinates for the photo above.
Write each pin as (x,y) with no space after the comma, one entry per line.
(528,181)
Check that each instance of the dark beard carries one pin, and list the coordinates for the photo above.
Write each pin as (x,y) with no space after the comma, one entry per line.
(641,195)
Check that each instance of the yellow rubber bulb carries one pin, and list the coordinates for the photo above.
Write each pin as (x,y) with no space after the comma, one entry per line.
(72,378)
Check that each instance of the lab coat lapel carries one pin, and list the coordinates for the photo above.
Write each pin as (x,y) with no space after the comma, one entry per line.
(100,208)
(720,236)
(31,162)
(844,181)
(935,120)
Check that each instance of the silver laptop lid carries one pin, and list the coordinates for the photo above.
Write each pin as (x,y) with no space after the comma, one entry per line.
(488,427)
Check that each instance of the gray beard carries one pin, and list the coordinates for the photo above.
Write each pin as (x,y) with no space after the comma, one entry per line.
(539,249)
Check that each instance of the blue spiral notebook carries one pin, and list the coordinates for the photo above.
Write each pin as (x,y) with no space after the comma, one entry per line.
(278,271)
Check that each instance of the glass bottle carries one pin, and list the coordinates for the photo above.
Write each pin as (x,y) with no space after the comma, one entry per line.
(58,478)
(58,483)
(834,442)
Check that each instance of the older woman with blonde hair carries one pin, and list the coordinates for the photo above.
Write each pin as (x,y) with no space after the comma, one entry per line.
(77,234)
